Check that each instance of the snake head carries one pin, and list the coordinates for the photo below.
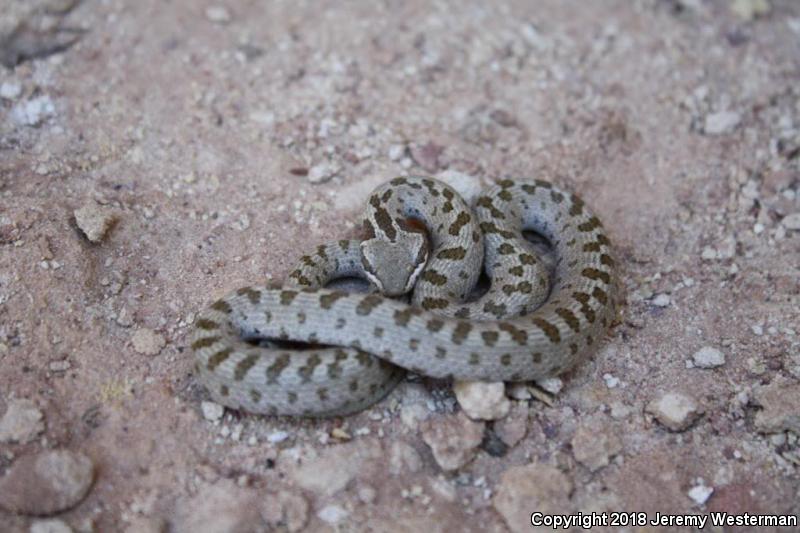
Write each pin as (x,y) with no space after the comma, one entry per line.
(394,267)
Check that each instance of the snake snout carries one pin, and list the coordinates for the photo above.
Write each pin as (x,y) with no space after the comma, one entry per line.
(393,266)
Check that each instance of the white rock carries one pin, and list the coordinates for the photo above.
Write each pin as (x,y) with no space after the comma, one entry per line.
(791,221)
(519,391)
(332,514)
(277,436)
(662,300)
(611,381)
(50,526)
(34,111)
(721,122)
(708,357)
(482,401)
(674,410)
(551,385)
(218,14)
(322,172)
(22,422)
(10,90)
(700,494)
(212,411)
(396,152)
(708,253)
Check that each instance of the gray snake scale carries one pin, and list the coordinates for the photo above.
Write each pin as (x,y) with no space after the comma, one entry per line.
(422,239)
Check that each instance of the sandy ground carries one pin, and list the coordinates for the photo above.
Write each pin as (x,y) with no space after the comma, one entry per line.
(225,139)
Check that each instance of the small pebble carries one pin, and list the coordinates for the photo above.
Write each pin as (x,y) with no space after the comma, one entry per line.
(674,410)
(791,222)
(611,381)
(721,122)
(661,300)
(396,152)
(518,391)
(277,436)
(708,357)
(322,172)
(34,111)
(10,90)
(366,494)
(454,439)
(218,14)
(551,385)
(536,486)
(594,444)
(780,408)
(332,514)
(60,366)
(700,494)
(481,400)
(212,411)
(94,221)
(147,342)
(514,427)
(708,253)
(22,422)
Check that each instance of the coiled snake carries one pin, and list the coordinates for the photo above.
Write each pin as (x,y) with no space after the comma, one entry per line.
(531,323)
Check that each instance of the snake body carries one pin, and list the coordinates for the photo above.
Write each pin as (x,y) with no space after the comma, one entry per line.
(422,237)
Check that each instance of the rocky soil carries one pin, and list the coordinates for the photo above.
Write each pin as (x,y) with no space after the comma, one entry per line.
(156,155)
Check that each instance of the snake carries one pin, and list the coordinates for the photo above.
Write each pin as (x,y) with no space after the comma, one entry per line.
(306,349)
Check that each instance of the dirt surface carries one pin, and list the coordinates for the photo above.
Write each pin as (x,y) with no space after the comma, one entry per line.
(208,145)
